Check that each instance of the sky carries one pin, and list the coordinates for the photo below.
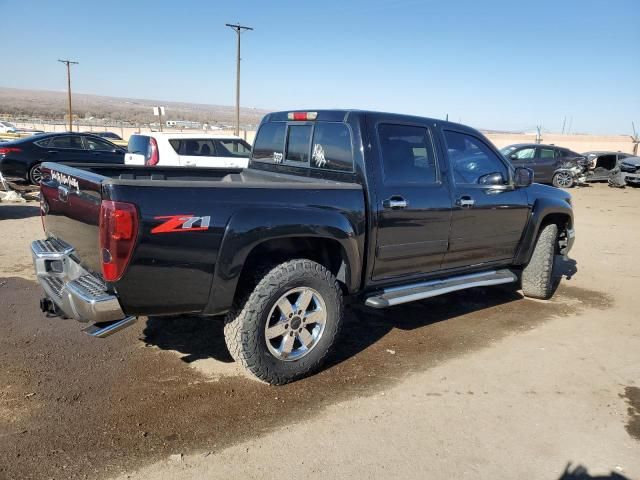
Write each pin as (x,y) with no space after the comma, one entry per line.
(491,64)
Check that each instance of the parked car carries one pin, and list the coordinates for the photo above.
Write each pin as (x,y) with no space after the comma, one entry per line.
(22,158)
(603,164)
(7,127)
(107,135)
(630,168)
(550,164)
(187,150)
(383,209)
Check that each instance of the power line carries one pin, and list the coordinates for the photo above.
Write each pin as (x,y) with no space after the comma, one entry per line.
(238,28)
(68,63)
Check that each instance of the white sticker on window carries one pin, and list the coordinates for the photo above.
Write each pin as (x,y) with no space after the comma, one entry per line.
(318,155)
(277,157)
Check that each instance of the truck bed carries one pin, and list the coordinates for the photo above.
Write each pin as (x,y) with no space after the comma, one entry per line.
(178,265)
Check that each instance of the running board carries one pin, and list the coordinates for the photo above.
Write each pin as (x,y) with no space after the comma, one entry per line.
(420,291)
(105,329)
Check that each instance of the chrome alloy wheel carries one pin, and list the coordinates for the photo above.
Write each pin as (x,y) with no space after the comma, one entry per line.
(36,175)
(295,324)
(564,179)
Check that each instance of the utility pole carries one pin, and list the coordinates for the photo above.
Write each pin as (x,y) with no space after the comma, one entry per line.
(68,63)
(238,28)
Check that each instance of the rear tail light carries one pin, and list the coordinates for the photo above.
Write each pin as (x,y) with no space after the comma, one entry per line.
(118,231)
(302,115)
(7,150)
(153,156)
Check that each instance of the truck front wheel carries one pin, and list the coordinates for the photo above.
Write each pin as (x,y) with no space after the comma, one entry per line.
(285,328)
(537,277)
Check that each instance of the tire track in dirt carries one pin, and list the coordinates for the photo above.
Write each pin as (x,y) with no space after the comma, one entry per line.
(76,407)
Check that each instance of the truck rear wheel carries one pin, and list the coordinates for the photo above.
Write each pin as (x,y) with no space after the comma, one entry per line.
(285,328)
(537,277)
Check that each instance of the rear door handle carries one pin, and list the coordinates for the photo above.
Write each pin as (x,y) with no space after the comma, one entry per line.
(465,201)
(396,203)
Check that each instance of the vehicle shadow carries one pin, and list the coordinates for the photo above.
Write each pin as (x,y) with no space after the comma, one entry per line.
(196,337)
(203,337)
(366,326)
(563,268)
(581,473)
(17,212)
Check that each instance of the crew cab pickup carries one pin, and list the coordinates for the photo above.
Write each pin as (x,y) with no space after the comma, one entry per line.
(335,205)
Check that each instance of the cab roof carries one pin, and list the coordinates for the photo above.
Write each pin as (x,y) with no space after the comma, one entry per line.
(343,115)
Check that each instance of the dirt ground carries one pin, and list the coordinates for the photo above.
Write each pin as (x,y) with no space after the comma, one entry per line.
(477,384)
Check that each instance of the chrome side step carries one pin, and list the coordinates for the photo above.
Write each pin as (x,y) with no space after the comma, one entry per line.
(433,288)
(105,329)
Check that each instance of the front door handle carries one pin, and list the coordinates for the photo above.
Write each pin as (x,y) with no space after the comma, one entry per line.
(396,203)
(465,201)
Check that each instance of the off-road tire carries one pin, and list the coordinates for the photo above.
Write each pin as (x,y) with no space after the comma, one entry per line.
(244,329)
(537,277)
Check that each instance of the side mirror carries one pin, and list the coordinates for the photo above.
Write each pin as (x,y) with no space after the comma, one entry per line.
(492,179)
(522,177)
(513,156)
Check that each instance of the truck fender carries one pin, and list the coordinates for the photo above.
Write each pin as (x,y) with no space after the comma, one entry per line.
(545,210)
(250,227)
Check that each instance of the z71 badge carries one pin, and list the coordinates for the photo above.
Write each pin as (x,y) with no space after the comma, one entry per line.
(181,223)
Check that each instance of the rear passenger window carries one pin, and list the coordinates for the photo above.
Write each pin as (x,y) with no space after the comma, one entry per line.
(70,141)
(193,147)
(332,147)
(547,153)
(138,144)
(298,143)
(407,154)
(269,143)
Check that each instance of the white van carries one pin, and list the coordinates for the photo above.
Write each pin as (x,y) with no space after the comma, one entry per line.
(187,150)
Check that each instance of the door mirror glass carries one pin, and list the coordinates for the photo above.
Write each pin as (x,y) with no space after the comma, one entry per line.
(495,178)
(523,177)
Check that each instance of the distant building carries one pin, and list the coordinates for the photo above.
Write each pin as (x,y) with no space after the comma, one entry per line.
(183,124)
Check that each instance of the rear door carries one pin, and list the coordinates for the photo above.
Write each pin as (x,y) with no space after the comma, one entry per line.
(65,149)
(546,164)
(413,203)
(488,216)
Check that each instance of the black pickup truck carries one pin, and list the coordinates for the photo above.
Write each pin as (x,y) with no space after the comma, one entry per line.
(336,205)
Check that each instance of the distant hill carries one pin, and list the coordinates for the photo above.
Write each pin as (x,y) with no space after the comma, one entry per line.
(50,105)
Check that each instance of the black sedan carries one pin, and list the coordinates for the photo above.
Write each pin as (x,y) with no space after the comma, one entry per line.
(22,158)
(544,160)
(107,135)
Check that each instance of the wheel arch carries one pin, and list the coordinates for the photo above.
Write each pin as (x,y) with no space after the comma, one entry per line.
(323,236)
(545,212)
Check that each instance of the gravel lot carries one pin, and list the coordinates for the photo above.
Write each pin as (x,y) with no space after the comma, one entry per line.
(477,384)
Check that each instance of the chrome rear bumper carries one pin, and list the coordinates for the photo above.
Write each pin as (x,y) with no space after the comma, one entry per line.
(76,292)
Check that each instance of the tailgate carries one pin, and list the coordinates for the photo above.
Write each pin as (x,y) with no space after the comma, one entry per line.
(71,200)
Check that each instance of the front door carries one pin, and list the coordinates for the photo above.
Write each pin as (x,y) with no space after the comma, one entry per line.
(489,215)
(413,204)
(101,151)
